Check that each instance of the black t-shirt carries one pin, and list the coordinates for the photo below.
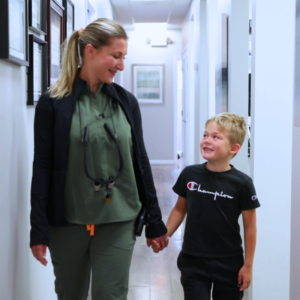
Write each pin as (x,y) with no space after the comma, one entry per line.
(215,201)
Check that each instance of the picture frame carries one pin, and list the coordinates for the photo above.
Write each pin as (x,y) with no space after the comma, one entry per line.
(14,31)
(69,17)
(37,70)
(38,16)
(221,68)
(148,83)
(55,38)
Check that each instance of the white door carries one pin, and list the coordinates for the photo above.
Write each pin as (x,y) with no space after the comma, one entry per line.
(184,114)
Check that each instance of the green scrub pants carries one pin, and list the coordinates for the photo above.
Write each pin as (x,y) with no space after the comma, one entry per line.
(107,254)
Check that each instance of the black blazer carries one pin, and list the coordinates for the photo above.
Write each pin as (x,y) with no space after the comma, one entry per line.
(51,146)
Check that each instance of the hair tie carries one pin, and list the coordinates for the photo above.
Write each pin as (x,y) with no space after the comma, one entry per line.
(80,31)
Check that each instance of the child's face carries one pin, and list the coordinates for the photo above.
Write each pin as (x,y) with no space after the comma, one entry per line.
(215,145)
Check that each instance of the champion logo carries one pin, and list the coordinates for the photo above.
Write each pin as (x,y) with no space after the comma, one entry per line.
(254,197)
(194,186)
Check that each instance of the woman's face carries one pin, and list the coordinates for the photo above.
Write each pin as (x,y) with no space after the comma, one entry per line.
(108,60)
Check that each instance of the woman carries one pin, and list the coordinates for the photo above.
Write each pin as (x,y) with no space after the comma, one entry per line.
(92,183)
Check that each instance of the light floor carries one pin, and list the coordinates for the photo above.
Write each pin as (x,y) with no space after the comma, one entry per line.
(155,276)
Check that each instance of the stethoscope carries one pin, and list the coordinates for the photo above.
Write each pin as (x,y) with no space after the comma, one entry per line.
(109,182)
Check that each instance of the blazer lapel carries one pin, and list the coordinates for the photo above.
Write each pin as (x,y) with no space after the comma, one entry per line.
(110,90)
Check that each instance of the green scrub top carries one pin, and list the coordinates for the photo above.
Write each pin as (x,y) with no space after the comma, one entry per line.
(84,205)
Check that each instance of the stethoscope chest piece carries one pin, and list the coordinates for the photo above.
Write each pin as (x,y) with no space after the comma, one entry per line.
(97,187)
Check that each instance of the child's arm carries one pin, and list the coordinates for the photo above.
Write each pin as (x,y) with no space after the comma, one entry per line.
(175,219)
(245,274)
(176,216)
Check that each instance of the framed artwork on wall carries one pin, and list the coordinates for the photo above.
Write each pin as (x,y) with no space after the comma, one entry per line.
(69,17)
(14,31)
(55,37)
(222,65)
(148,83)
(38,16)
(37,70)
(59,2)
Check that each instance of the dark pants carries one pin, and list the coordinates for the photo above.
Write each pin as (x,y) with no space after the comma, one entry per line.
(198,274)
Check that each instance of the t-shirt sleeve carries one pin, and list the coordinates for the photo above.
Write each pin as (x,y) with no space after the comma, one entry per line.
(180,187)
(248,197)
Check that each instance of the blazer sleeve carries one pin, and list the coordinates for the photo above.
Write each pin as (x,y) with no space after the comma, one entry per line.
(155,226)
(42,171)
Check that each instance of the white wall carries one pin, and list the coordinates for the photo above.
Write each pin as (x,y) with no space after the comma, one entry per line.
(105,9)
(80,16)
(158,119)
(193,99)
(14,184)
(21,276)
(272,128)
(238,68)
(212,16)
(295,232)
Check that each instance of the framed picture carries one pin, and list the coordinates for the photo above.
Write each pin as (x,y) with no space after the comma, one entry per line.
(69,17)
(59,2)
(221,70)
(37,70)
(55,37)
(14,31)
(38,16)
(148,83)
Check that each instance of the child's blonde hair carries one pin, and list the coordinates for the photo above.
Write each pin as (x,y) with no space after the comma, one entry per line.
(235,126)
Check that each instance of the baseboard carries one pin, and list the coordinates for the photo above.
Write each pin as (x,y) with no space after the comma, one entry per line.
(162,162)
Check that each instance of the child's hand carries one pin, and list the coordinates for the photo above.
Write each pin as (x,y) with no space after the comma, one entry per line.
(245,277)
(155,246)
(158,244)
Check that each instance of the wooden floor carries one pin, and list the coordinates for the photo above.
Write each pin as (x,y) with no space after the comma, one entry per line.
(155,276)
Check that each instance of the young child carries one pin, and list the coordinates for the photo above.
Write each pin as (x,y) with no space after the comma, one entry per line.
(213,195)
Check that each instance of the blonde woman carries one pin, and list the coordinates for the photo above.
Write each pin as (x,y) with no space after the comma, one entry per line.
(92,186)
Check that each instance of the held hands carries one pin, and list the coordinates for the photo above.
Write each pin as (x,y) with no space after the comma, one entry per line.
(39,252)
(159,243)
(245,277)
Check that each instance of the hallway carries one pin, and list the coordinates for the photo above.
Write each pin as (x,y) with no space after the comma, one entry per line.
(155,276)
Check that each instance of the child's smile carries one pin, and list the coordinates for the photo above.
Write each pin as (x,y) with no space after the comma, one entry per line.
(215,144)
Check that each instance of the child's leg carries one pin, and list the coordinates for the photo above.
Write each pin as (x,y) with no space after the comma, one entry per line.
(195,283)
(225,276)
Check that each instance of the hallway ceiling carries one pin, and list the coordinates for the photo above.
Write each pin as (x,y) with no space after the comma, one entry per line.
(163,11)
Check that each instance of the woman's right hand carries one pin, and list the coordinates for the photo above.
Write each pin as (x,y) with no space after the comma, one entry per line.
(39,252)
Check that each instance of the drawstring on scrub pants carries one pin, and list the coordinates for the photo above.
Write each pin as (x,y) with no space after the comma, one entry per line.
(91,229)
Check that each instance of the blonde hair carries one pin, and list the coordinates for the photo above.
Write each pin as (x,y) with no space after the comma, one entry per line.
(98,34)
(235,126)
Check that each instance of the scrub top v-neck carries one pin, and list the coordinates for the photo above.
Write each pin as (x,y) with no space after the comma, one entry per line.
(84,205)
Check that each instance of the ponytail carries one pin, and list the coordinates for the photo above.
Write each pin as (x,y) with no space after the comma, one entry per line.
(64,85)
